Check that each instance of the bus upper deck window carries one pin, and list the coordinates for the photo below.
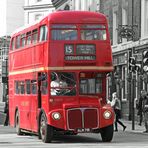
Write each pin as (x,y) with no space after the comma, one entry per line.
(18,42)
(13,44)
(28,41)
(93,32)
(64,32)
(23,40)
(43,33)
(34,36)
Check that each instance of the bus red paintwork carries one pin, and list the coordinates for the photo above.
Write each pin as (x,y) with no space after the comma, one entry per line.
(74,45)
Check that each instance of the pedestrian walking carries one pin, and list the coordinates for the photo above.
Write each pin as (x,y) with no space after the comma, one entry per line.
(145,111)
(6,111)
(139,107)
(116,104)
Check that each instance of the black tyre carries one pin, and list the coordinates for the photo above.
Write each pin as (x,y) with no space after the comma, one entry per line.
(107,133)
(17,124)
(46,131)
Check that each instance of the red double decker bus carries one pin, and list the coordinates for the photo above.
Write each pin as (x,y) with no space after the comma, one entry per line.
(57,76)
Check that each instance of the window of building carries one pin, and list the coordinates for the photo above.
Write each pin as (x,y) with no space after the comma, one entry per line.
(67,7)
(146,18)
(124,83)
(124,16)
(43,33)
(37,16)
(124,21)
(115,27)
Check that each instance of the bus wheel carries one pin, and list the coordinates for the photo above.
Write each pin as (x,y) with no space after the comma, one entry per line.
(107,133)
(46,131)
(17,124)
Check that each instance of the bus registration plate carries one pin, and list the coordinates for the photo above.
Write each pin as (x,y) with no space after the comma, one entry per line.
(81,130)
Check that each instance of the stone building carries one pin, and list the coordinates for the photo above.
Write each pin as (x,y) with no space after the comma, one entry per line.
(127,16)
(122,15)
(12,17)
(36,9)
(90,5)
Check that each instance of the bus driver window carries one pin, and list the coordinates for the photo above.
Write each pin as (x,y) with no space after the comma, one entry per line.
(63,84)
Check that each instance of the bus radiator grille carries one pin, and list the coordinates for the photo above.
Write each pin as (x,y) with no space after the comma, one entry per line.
(79,118)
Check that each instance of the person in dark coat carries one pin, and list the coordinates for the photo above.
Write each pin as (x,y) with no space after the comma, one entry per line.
(139,107)
(6,111)
(145,112)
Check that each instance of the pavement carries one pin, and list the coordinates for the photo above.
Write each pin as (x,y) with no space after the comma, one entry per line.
(129,127)
(2,117)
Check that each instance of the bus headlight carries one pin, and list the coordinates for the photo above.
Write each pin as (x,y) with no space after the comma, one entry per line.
(56,116)
(107,114)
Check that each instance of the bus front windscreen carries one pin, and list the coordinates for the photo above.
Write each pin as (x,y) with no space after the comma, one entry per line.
(93,32)
(64,32)
(70,32)
(90,83)
(63,83)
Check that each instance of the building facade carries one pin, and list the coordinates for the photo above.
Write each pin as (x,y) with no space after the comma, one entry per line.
(36,9)
(89,5)
(130,16)
(123,16)
(12,17)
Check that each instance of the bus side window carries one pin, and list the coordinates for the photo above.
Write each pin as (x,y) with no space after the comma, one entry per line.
(22,87)
(34,36)
(18,41)
(28,38)
(44,87)
(34,86)
(13,44)
(28,91)
(17,87)
(23,40)
(43,33)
